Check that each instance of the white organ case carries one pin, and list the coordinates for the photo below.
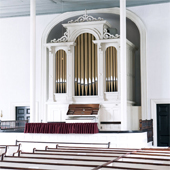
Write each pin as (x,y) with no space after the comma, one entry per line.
(110,102)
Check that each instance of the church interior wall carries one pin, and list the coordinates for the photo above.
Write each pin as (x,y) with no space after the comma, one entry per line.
(14,65)
(15,61)
(156,20)
(14,56)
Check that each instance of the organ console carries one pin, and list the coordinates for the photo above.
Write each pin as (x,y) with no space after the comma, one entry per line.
(81,113)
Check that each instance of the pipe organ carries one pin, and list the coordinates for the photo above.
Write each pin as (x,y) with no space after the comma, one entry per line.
(60,71)
(84,68)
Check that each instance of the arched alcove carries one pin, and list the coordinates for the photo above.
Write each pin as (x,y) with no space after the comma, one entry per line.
(133,35)
(111,15)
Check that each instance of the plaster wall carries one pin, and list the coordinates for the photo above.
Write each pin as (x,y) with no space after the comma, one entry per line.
(157,21)
(15,61)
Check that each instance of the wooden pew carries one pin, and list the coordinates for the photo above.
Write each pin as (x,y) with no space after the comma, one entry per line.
(147,125)
(144,152)
(2,150)
(64,157)
(65,165)
(3,153)
(116,162)
(28,145)
(99,145)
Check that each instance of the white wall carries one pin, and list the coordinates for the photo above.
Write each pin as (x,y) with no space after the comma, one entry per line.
(157,21)
(15,63)
(14,55)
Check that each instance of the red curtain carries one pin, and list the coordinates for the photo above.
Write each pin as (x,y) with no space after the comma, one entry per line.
(61,128)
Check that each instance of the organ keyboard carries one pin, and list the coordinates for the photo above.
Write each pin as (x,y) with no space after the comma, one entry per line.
(82,113)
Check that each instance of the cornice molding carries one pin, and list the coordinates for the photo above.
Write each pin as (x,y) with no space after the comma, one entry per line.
(85,18)
(107,35)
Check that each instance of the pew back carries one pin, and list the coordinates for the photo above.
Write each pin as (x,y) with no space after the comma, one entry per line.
(65,156)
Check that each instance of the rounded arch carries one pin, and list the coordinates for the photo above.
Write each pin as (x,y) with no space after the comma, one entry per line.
(111,45)
(129,14)
(76,33)
(60,48)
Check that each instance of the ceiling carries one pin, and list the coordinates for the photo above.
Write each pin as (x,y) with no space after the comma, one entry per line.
(13,8)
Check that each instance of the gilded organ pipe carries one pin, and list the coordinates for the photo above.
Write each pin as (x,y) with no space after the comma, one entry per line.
(90,68)
(79,64)
(60,71)
(111,69)
(85,66)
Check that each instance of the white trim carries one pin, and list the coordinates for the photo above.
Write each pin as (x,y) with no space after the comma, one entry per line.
(33,61)
(154,102)
(104,22)
(66,15)
(143,63)
(123,66)
(85,18)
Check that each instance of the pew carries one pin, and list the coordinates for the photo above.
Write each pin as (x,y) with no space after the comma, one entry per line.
(8,150)
(125,161)
(63,156)
(27,145)
(147,125)
(2,150)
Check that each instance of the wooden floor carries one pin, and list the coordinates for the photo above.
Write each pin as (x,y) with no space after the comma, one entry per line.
(69,157)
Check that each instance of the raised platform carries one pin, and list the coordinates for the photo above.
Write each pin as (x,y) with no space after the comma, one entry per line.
(116,139)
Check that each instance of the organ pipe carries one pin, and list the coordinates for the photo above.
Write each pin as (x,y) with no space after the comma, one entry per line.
(86,76)
(61,71)
(111,69)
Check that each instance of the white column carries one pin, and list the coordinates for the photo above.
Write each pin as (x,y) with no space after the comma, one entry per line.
(100,72)
(32,60)
(51,74)
(123,64)
(70,73)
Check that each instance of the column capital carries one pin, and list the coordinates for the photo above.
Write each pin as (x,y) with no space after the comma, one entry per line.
(51,49)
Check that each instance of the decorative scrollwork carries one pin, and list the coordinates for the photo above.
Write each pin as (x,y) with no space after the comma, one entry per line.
(107,35)
(85,18)
(64,38)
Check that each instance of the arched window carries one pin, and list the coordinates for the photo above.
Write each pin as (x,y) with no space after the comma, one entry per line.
(61,71)
(86,81)
(111,70)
